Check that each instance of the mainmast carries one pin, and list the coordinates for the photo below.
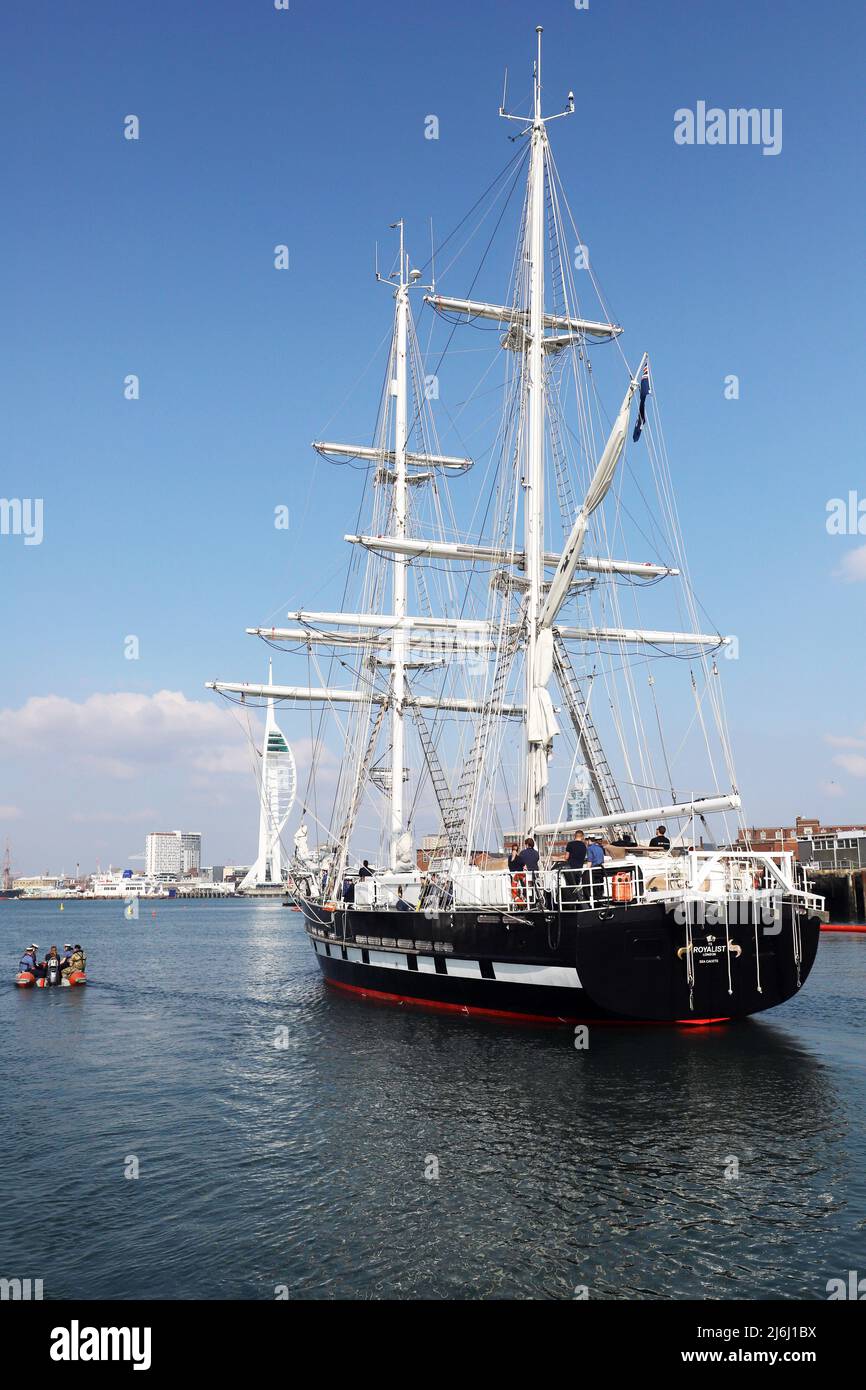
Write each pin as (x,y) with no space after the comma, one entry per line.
(398,530)
(533,483)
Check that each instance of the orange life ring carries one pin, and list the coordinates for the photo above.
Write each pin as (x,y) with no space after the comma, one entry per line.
(518,889)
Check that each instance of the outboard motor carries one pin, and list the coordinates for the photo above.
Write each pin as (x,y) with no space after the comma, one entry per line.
(52,970)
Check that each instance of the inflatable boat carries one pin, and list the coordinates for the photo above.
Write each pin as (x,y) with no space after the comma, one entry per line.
(26,978)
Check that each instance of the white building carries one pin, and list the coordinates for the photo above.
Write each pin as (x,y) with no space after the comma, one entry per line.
(190,844)
(172,853)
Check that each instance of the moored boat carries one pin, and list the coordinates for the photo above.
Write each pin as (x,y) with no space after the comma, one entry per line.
(461,628)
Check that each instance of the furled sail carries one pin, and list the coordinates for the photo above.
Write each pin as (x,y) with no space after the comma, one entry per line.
(542,727)
(596,493)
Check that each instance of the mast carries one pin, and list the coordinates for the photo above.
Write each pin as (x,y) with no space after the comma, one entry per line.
(533,502)
(398,643)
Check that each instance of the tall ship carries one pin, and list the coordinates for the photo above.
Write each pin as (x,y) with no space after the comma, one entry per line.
(6,886)
(503,688)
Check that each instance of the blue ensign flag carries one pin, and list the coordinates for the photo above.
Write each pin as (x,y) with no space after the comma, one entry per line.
(644,392)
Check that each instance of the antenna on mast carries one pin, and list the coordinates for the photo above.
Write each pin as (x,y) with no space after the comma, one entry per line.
(504,94)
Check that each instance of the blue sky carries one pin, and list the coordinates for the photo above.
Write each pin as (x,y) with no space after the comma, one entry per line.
(306,127)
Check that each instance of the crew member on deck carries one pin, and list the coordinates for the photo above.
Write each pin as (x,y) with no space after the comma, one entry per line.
(573,867)
(575,852)
(401,903)
(660,839)
(528,856)
(595,860)
(365,871)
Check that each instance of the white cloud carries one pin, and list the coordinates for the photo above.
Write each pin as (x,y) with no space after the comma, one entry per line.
(10,812)
(844,741)
(855,763)
(853,567)
(117,735)
(117,765)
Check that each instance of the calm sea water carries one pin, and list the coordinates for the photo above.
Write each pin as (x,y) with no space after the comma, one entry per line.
(304,1165)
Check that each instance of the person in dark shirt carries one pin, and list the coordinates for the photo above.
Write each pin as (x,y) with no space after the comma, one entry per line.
(528,856)
(575,852)
(513,860)
(401,903)
(660,839)
(365,871)
(52,967)
(572,885)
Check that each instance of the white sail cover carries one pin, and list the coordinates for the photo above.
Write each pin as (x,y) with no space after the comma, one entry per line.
(596,493)
(302,845)
(541,725)
(405,853)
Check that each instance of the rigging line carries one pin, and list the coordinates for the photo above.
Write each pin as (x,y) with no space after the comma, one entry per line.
(484,256)
(352,389)
(704,731)
(652,686)
(473,234)
(379,431)
(512,161)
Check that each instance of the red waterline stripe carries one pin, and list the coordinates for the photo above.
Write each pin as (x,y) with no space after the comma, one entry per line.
(506,1013)
(838,926)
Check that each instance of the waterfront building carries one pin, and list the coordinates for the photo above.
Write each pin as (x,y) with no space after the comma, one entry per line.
(776,839)
(834,848)
(172,853)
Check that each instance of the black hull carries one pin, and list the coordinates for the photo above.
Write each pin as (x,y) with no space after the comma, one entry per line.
(624,963)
